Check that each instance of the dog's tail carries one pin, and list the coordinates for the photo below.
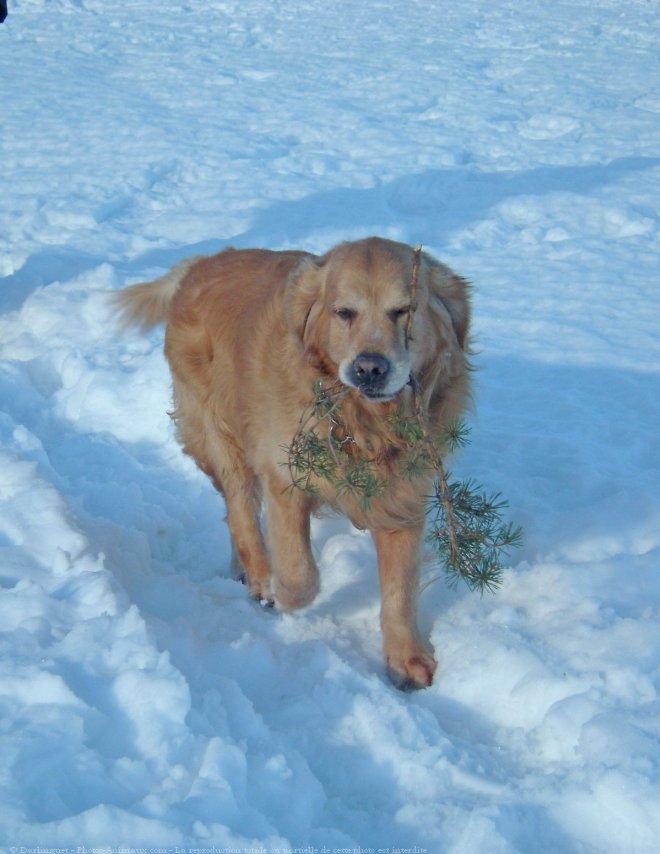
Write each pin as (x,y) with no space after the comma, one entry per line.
(147,304)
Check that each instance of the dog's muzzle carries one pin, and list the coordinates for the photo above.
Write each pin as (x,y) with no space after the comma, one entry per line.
(370,372)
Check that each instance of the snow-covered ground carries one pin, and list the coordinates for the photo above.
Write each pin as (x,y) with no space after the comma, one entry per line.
(144,701)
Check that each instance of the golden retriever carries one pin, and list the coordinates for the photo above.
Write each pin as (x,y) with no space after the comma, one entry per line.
(249,332)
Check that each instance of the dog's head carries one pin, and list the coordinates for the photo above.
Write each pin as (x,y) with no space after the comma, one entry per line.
(350,310)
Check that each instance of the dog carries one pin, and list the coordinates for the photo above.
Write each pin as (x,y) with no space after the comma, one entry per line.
(248,334)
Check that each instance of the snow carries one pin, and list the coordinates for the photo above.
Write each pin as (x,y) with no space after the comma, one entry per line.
(144,701)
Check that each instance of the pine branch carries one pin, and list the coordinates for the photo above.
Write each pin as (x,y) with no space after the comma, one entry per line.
(468,533)
(466,527)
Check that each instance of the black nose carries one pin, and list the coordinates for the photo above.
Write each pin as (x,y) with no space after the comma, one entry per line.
(369,371)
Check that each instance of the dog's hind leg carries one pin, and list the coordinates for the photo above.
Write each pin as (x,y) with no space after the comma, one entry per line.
(249,562)
(234,480)
(218,456)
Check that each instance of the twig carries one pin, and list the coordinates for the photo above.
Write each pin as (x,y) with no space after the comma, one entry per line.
(417,254)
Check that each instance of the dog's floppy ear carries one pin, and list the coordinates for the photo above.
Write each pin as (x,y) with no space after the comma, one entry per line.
(304,298)
(449,292)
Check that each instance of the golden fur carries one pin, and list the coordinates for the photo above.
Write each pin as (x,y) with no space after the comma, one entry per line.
(248,333)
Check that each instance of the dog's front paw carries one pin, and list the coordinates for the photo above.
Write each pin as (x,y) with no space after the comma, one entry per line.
(291,597)
(411,669)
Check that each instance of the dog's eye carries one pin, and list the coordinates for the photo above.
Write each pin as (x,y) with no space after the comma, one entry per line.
(345,313)
(396,313)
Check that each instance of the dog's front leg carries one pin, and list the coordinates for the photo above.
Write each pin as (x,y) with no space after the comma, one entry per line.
(409,661)
(295,574)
